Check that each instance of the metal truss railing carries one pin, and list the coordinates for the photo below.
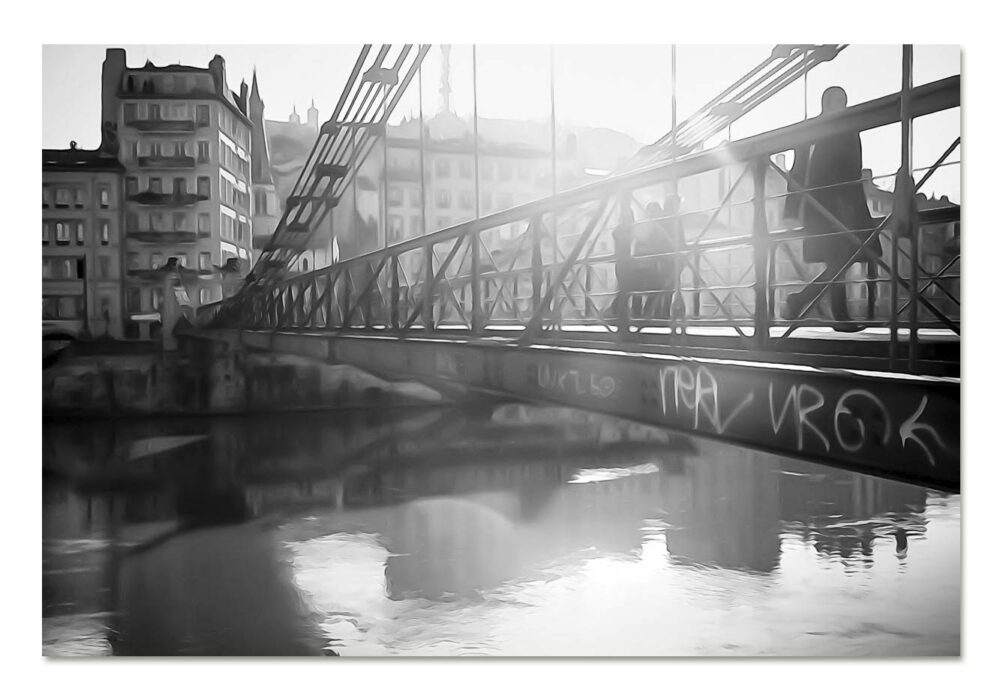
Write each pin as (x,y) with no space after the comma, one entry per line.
(786,64)
(374,87)
(510,274)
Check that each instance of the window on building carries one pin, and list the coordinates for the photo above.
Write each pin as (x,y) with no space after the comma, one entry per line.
(156,184)
(415,226)
(131,222)
(104,266)
(45,233)
(79,234)
(131,186)
(105,228)
(45,196)
(156,260)
(133,300)
(466,200)
(442,199)
(79,198)
(62,198)
(61,269)
(205,296)
(204,187)
(156,296)
(154,112)
(131,112)
(395,228)
(505,171)
(202,116)
(180,186)
(155,150)
(156,222)
(395,195)
(182,259)
(202,150)
(132,148)
(179,149)
(204,225)
(442,167)
(133,261)
(465,169)
(180,221)
(487,201)
(103,197)
(204,261)
(70,307)
(62,233)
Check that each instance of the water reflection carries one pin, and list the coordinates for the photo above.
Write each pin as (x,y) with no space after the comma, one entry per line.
(487,530)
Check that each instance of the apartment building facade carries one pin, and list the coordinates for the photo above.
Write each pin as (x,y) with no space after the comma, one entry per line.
(82,244)
(184,144)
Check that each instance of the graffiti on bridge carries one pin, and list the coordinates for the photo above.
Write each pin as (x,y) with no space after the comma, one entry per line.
(575,382)
(816,419)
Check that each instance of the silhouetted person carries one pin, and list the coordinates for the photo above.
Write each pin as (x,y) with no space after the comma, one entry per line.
(625,271)
(830,171)
(661,234)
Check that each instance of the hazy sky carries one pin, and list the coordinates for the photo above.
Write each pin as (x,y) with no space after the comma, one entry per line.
(624,87)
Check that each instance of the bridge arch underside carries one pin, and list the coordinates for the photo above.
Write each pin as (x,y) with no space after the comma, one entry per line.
(888,424)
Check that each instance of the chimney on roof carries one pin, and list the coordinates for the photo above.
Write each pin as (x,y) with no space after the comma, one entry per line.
(244,90)
(217,69)
(294,117)
(72,144)
(112,81)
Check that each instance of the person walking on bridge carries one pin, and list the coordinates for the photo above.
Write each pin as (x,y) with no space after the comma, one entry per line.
(662,234)
(827,176)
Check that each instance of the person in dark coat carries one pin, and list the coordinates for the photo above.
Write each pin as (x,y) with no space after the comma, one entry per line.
(830,171)
(661,233)
(625,268)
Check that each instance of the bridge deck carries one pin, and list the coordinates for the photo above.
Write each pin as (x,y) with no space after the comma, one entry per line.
(891,424)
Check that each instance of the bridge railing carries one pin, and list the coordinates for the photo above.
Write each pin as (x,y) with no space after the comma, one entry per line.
(551,268)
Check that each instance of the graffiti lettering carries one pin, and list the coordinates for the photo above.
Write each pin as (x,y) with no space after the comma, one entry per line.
(910,427)
(843,409)
(578,382)
(698,392)
(795,399)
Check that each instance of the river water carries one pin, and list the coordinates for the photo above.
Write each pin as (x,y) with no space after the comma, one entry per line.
(485,530)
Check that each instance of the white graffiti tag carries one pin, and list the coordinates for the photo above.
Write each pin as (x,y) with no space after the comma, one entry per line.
(843,409)
(795,400)
(697,392)
(910,428)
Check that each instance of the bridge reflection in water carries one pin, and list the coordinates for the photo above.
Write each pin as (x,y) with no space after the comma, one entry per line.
(494,530)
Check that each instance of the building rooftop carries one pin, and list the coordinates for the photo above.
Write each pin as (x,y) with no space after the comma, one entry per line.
(140,82)
(74,159)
